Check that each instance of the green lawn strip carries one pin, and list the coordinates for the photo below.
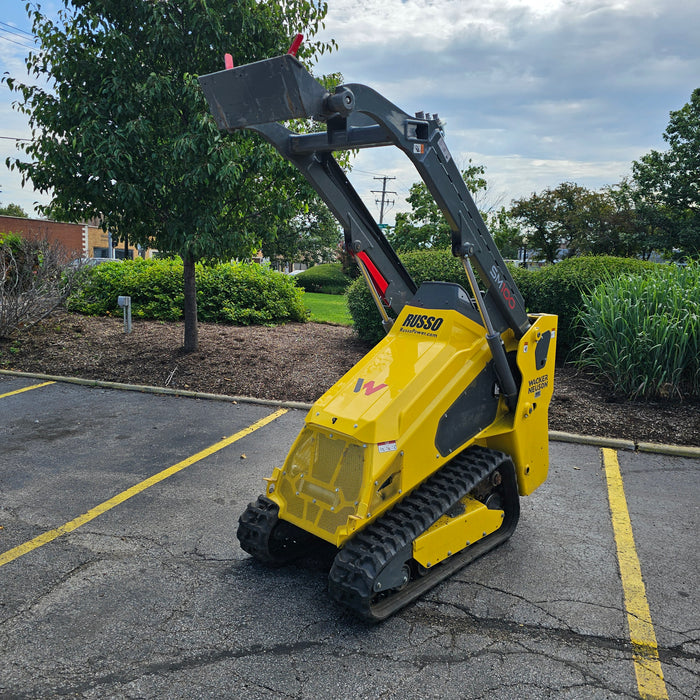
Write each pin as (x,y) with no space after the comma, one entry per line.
(327,308)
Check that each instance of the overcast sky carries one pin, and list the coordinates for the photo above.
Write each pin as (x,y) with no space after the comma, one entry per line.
(538,91)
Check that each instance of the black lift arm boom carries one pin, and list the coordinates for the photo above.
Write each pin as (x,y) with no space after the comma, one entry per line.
(259,95)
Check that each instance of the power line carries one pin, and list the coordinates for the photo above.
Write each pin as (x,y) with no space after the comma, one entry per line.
(16,140)
(16,29)
(17,34)
(12,41)
(384,193)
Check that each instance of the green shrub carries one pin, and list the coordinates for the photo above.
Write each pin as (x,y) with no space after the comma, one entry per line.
(155,288)
(237,293)
(247,294)
(423,266)
(555,289)
(327,278)
(11,241)
(558,289)
(642,332)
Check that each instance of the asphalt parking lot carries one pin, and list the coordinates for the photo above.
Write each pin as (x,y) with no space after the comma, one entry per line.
(120,573)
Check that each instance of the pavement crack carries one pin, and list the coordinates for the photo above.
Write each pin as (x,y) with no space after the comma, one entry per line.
(589,679)
(470,621)
(197,661)
(539,605)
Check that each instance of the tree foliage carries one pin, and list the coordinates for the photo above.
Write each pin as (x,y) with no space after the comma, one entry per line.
(123,132)
(310,237)
(672,178)
(13,210)
(640,222)
(425,226)
(555,218)
(571,220)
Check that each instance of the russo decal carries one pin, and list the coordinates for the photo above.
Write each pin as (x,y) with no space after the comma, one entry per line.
(422,324)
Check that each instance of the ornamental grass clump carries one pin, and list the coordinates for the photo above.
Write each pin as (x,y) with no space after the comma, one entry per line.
(641,333)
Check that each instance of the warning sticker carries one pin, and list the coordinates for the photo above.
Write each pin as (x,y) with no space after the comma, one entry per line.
(389,446)
(445,151)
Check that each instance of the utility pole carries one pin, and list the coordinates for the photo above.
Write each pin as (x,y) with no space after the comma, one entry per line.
(384,193)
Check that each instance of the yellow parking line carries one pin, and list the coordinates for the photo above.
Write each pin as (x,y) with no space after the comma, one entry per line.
(41,540)
(26,388)
(647,667)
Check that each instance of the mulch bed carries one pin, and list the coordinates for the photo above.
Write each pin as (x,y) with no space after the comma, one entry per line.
(297,362)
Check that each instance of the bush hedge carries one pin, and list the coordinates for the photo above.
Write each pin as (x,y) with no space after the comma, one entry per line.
(423,266)
(559,289)
(327,278)
(238,293)
(642,332)
(556,289)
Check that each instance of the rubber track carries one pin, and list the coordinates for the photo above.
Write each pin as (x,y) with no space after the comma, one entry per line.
(361,560)
(270,540)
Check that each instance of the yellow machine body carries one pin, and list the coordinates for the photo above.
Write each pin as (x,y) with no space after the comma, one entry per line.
(454,372)
(404,410)
(450,534)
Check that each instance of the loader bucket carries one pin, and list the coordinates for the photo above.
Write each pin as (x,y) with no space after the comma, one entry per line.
(272,90)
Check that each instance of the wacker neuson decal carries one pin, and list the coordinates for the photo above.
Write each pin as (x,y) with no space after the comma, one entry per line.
(536,385)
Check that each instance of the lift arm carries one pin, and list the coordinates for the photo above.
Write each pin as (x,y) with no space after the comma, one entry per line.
(259,95)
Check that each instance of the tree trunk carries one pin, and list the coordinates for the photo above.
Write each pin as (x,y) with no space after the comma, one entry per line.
(191,329)
(126,246)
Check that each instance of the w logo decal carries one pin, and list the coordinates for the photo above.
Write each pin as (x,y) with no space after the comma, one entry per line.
(370,387)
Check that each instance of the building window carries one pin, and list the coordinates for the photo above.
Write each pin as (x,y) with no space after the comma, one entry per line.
(118,253)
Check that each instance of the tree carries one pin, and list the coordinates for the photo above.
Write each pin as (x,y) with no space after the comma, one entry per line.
(506,234)
(639,219)
(123,132)
(311,237)
(536,213)
(569,218)
(13,210)
(672,177)
(425,225)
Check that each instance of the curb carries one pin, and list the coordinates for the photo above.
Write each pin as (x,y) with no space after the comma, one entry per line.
(630,445)
(144,388)
(555,435)
(613,443)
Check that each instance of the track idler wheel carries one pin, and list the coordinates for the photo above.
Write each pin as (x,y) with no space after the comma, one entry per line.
(270,540)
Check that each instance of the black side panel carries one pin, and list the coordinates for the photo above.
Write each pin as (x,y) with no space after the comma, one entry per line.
(474,410)
(542,349)
(447,296)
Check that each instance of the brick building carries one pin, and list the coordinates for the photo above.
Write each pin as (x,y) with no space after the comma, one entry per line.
(78,240)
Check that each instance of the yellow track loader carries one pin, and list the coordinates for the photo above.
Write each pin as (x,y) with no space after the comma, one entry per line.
(413,463)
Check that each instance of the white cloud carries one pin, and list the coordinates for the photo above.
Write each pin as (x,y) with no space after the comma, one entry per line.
(539,91)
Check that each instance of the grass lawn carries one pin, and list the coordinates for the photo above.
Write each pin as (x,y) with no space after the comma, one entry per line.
(328,308)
